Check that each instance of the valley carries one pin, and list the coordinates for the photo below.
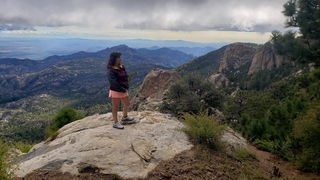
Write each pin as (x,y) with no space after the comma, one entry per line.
(33,91)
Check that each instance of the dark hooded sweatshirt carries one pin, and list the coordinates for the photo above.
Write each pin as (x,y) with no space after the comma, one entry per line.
(118,78)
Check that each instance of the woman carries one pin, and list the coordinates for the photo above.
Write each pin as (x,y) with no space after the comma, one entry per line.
(118,80)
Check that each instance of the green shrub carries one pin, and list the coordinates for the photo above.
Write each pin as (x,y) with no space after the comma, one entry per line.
(242,154)
(256,129)
(314,88)
(63,117)
(50,132)
(191,94)
(307,134)
(204,129)
(4,174)
(22,146)
(264,145)
(309,160)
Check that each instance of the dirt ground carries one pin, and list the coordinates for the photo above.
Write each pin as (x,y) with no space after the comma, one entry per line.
(287,170)
(202,164)
(207,164)
(53,175)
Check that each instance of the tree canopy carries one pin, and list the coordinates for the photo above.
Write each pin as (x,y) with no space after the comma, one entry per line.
(303,46)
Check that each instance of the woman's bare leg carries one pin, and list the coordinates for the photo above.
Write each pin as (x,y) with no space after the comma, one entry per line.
(115,106)
(126,104)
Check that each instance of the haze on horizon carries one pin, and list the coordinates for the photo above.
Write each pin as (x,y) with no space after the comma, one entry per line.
(190,20)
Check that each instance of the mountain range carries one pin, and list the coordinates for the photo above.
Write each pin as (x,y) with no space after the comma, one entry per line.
(78,72)
(39,48)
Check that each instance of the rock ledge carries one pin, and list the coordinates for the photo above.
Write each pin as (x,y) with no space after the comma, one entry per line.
(92,144)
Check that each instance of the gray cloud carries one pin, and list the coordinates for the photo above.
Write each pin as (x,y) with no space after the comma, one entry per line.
(177,15)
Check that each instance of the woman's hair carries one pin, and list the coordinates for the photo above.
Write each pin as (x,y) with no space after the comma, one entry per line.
(113,57)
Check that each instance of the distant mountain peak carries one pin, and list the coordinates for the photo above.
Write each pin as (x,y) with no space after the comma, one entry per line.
(121,46)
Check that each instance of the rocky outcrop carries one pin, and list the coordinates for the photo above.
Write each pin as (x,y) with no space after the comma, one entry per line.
(219,80)
(312,66)
(153,88)
(235,56)
(233,140)
(230,138)
(92,145)
(266,59)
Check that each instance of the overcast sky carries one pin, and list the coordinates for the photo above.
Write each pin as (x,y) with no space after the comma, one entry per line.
(195,20)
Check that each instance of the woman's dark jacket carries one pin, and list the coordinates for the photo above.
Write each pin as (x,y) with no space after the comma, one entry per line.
(118,78)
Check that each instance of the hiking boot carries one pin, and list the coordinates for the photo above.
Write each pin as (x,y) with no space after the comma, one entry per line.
(127,118)
(117,125)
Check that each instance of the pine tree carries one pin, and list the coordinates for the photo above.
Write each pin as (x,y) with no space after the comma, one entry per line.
(304,46)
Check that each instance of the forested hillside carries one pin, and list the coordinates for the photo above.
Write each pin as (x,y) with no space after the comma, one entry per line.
(270,93)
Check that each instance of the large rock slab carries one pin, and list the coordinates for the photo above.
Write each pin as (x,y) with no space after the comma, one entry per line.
(91,143)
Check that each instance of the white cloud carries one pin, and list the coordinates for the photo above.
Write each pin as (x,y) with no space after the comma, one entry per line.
(175,15)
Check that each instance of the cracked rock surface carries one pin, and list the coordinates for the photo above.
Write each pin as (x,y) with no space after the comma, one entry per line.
(129,153)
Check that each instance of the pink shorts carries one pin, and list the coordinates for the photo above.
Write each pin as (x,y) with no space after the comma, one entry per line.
(116,94)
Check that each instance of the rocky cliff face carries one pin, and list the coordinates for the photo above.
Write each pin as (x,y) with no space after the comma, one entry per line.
(234,60)
(235,56)
(246,59)
(265,58)
(153,88)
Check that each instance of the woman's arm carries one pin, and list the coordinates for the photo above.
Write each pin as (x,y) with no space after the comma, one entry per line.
(127,78)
